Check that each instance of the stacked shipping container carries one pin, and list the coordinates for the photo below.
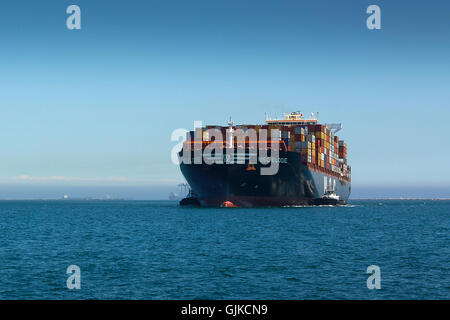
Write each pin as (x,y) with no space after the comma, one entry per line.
(319,148)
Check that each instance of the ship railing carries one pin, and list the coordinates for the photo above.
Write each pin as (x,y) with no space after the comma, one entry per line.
(320,169)
(246,144)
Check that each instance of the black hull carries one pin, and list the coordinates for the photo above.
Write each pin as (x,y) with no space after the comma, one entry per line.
(294,184)
(190,201)
(328,202)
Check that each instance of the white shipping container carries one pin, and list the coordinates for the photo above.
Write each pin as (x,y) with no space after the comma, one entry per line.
(275,136)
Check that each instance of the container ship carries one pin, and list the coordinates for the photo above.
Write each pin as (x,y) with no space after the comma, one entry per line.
(224,165)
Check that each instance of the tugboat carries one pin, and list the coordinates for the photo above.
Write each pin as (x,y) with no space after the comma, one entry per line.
(191,199)
(329,198)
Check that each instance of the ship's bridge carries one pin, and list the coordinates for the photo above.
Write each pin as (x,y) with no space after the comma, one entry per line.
(293,118)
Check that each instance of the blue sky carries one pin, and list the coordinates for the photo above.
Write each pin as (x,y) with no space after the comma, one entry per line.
(96,106)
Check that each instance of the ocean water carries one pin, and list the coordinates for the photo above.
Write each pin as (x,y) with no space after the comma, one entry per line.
(157,250)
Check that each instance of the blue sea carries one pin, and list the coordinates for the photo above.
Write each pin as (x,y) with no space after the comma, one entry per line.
(158,250)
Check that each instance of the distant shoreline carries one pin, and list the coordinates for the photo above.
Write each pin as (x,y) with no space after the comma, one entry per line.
(143,200)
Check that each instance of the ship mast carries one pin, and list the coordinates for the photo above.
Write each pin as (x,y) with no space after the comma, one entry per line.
(230,137)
